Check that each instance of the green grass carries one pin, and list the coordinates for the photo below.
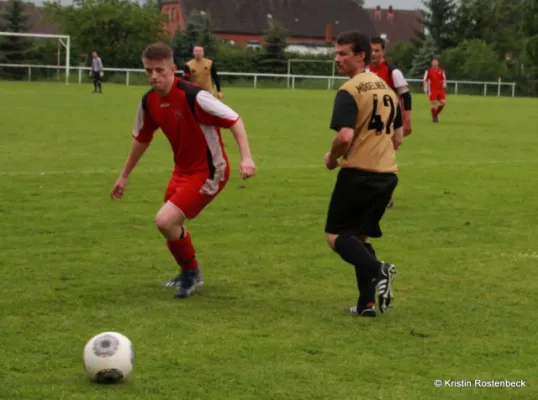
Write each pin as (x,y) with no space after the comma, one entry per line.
(269,323)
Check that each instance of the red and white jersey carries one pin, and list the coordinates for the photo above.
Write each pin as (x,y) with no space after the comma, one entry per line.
(191,119)
(436,78)
(391,75)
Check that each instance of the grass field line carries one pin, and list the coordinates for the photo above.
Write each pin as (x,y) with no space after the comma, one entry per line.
(97,171)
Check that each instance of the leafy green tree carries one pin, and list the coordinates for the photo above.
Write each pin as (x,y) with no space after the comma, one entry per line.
(402,55)
(118,29)
(530,17)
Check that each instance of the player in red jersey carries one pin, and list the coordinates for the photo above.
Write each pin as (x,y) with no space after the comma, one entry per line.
(191,119)
(435,85)
(394,78)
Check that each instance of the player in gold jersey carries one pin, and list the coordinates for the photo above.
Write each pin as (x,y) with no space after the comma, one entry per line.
(202,72)
(368,121)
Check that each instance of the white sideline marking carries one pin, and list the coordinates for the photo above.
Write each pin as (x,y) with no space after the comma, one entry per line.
(261,168)
(528,255)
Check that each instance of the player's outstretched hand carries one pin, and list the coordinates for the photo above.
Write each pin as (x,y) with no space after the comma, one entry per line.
(247,168)
(406,116)
(118,188)
(327,159)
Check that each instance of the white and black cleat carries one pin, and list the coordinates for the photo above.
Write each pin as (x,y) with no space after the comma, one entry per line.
(383,283)
(363,311)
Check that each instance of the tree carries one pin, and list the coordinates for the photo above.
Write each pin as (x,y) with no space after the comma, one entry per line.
(423,59)
(118,29)
(185,40)
(206,37)
(531,48)
(480,61)
(274,54)
(13,48)
(402,54)
(439,18)
(198,31)
(495,21)
(530,17)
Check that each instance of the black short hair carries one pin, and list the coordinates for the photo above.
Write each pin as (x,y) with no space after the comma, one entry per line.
(359,41)
(378,40)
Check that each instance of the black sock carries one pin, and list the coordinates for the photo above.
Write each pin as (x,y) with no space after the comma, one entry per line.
(360,255)
(370,249)
(353,251)
(366,287)
(99,85)
(95,86)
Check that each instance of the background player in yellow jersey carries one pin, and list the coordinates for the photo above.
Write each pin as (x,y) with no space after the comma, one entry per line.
(368,121)
(202,71)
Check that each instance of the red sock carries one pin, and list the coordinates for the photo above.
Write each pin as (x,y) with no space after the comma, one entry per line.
(434,112)
(440,108)
(183,252)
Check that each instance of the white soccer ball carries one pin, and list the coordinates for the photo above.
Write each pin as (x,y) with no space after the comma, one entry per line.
(108,357)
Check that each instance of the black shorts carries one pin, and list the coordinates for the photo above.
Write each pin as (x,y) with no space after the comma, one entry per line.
(359,201)
(96,75)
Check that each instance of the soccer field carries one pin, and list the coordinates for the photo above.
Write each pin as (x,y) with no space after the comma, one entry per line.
(269,322)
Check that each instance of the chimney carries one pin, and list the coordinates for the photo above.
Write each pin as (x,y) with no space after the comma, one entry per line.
(390,14)
(377,13)
(328,33)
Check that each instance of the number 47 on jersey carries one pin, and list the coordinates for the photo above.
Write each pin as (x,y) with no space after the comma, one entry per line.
(376,121)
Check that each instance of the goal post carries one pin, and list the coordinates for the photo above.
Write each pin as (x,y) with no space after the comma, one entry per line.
(298,60)
(64,40)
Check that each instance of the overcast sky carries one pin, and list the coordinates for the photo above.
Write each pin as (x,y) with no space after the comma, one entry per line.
(397,4)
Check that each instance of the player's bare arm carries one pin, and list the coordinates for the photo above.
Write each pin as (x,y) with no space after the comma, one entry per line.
(339,148)
(425,82)
(247,168)
(214,112)
(137,150)
(397,138)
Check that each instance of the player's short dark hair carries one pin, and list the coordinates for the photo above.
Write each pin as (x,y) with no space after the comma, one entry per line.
(378,40)
(158,51)
(359,42)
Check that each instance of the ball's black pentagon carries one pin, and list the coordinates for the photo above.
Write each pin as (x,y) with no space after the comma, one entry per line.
(109,376)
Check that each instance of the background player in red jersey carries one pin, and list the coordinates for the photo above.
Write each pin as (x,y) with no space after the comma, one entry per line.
(393,77)
(435,81)
(191,119)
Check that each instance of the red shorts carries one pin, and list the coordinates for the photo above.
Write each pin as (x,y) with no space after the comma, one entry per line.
(191,193)
(438,95)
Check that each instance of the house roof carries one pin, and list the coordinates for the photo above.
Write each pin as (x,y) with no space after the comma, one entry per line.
(300,18)
(401,27)
(34,21)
